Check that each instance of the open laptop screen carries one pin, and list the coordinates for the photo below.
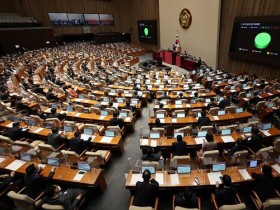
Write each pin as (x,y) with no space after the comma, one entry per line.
(183,169)
(247,129)
(123,114)
(178,134)
(68,128)
(152,169)
(32,122)
(160,116)
(84,166)
(69,109)
(226,132)
(201,133)
(154,135)
(53,161)
(253,163)
(88,131)
(25,156)
(181,115)
(104,113)
(109,133)
(221,112)
(219,167)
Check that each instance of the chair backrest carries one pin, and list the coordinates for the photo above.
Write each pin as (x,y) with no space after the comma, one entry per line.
(260,105)
(116,129)
(210,157)
(95,110)
(79,108)
(265,153)
(195,111)
(160,130)
(71,157)
(272,204)
(277,146)
(185,159)
(92,126)
(132,207)
(100,156)
(37,119)
(22,200)
(214,111)
(239,206)
(52,207)
(23,144)
(6,140)
(239,156)
(161,112)
(241,95)
(207,128)
(230,109)
(187,130)
(128,112)
(110,111)
(56,122)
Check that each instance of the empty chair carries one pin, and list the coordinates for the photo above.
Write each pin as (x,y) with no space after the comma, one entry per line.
(161,112)
(37,119)
(187,130)
(174,207)
(195,112)
(95,110)
(238,157)
(230,109)
(54,121)
(71,157)
(93,127)
(103,156)
(214,111)
(160,130)
(207,158)
(269,204)
(238,206)
(209,128)
(22,201)
(46,150)
(177,160)
(79,108)
(116,130)
(128,112)
(133,207)
(265,154)
(110,111)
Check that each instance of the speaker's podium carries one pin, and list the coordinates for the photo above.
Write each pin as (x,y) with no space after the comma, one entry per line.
(179,60)
(170,57)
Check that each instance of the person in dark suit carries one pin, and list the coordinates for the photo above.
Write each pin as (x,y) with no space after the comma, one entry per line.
(77,144)
(6,180)
(179,148)
(54,114)
(212,103)
(165,96)
(264,186)
(146,191)
(255,99)
(115,121)
(111,106)
(50,95)
(186,198)
(203,120)
(255,143)
(128,106)
(15,132)
(225,195)
(224,103)
(151,155)
(239,146)
(55,139)
(34,182)
(69,198)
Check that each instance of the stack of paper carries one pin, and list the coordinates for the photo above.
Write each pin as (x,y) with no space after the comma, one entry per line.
(153,143)
(199,140)
(135,178)
(174,120)
(101,117)
(214,177)
(77,114)
(159,178)
(174,179)
(266,133)
(79,176)
(106,139)
(144,142)
(15,165)
(215,117)
(38,130)
(178,106)
(244,173)
(276,168)
(227,139)
(162,120)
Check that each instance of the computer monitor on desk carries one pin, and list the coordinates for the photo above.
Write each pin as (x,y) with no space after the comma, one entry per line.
(184,169)
(265,126)
(154,135)
(253,163)
(53,162)
(109,133)
(239,110)
(123,114)
(178,134)
(16,119)
(160,115)
(181,115)
(84,166)
(68,128)
(26,157)
(247,129)
(69,109)
(152,169)
(226,132)
(32,122)
(88,131)
(219,167)
(103,113)
(221,112)
(201,133)
(178,102)
(48,125)
(270,104)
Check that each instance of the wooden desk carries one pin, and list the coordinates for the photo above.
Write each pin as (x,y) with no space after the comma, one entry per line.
(172,107)
(262,97)
(63,173)
(189,96)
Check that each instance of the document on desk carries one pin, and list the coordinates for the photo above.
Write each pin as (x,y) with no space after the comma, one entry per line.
(48,110)
(162,120)
(79,176)
(38,130)
(16,148)
(156,106)
(216,118)
(127,119)
(104,103)
(214,177)
(159,178)
(10,125)
(276,168)
(15,165)
(63,112)
(266,133)
(174,179)
(174,120)
(179,106)
(244,173)
(135,178)
(101,117)
(199,140)
(86,136)
(206,104)
(227,139)
(116,105)
(144,142)
(153,143)
(41,165)
(2,159)
(106,139)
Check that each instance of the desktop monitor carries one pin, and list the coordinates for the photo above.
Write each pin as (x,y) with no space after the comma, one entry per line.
(201,133)
(104,113)
(152,169)
(133,101)
(221,112)
(232,87)
(123,114)
(48,125)
(161,86)
(106,99)
(126,91)
(248,95)
(154,135)
(149,87)
(81,96)
(113,91)
(109,133)
(84,166)
(120,100)
(53,161)
(69,109)
(265,126)
(54,106)
(181,115)
(226,132)
(32,122)
(160,115)
(253,163)
(244,85)
(219,167)
(239,110)
(68,128)
(25,157)
(178,134)
(88,131)
(270,104)
(247,129)
(86,110)
(207,100)
(178,102)
(17,119)
(183,169)
(140,93)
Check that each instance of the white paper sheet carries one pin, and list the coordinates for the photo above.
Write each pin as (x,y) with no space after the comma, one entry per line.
(276,168)
(85,137)
(127,119)
(215,117)
(153,143)
(15,165)
(174,179)
(48,110)
(78,176)
(135,178)
(199,140)
(104,103)
(41,165)
(2,159)
(38,130)
(101,117)
(159,178)
(144,142)
(266,133)
(106,139)
(214,177)
(156,106)
(116,105)
(174,120)
(77,114)
(162,120)
(10,125)
(63,112)
(205,104)
(244,173)
(227,139)
(188,105)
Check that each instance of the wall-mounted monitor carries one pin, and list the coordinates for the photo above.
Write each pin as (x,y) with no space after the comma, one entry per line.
(92,19)
(256,39)
(76,19)
(58,19)
(106,19)
(147,31)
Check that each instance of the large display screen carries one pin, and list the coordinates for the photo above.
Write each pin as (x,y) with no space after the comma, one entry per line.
(92,19)
(106,19)
(58,19)
(76,19)
(256,39)
(147,31)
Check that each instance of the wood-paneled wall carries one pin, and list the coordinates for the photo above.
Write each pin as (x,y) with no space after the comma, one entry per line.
(235,8)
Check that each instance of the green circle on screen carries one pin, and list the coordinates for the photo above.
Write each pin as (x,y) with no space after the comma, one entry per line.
(262,40)
(146,31)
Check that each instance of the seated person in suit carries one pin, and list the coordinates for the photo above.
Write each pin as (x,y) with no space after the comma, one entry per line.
(15,132)
(158,124)
(203,120)
(180,95)
(209,144)
(264,185)
(6,180)
(111,106)
(224,103)
(34,182)
(151,155)
(54,114)
(239,146)
(19,105)
(146,191)
(55,139)
(255,99)
(195,96)
(77,144)
(165,96)
(255,143)
(186,198)
(212,103)
(135,95)
(115,121)
(225,195)
(69,198)
(128,106)
(179,148)
(50,95)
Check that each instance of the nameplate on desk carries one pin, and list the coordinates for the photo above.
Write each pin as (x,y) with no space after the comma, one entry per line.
(153,143)
(106,139)
(214,177)
(246,99)
(199,140)
(38,130)
(86,101)
(174,120)
(77,114)
(135,178)
(144,142)
(276,168)
(159,178)
(101,117)
(15,165)
(227,139)
(174,178)
(216,118)
(128,95)
(244,173)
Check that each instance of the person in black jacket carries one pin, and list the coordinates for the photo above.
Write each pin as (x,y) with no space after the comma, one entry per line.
(227,194)
(224,103)
(255,99)
(255,143)
(55,139)
(150,155)
(69,198)
(203,120)
(34,182)
(77,144)
(239,146)
(179,148)
(186,199)
(146,191)
(115,121)
(15,132)
(6,180)
(264,186)
(50,95)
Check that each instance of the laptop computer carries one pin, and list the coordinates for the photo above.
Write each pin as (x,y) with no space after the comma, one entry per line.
(201,133)
(253,163)
(160,115)
(247,129)
(219,167)
(154,135)
(109,133)
(68,128)
(133,101)
(183,169)
(53,161)
(221,112)
(120,100)
(25,157)
(248,95)
(103,113)
(123,114)
(84,166)
(239,110)
(178,134)
(152,169)
(181,115)
(88,131)
(226,132)
(81,96)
